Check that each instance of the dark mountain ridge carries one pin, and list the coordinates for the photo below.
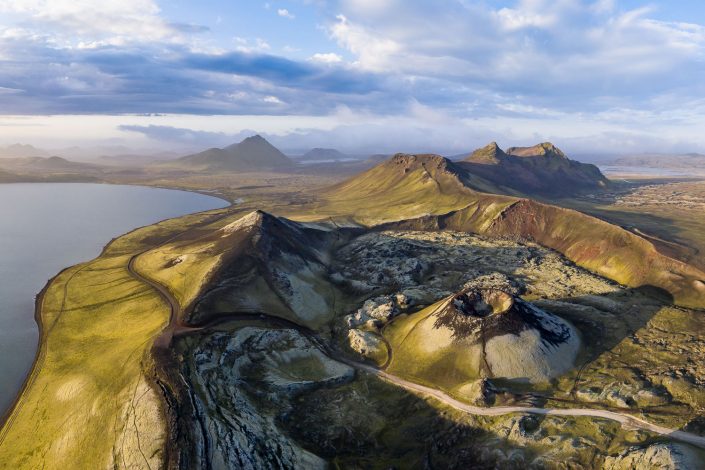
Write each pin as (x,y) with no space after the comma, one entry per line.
(542,169)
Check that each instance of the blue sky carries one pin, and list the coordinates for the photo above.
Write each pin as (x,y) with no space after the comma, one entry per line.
(593,76)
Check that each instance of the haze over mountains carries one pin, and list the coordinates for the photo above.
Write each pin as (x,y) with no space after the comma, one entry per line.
(539,170)
(318,155)
(21,150)
(661,160)
(521,165)
(107,154)
(48,164)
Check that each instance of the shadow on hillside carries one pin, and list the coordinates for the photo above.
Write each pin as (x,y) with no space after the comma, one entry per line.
(369,423)
(605,320)
(359,424)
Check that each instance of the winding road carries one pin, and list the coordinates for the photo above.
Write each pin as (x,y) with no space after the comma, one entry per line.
(164,339)
(622,418)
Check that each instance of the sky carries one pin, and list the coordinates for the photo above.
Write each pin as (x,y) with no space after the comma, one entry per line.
(363,76)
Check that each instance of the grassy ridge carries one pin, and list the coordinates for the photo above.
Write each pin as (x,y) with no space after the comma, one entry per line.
(405,186)
(88,402)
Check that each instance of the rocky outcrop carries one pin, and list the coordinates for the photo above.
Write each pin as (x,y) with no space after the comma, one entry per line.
(478,392)
(242,383)
(634,394)
(490,154)
(368,345)
(378,311)
(662,456)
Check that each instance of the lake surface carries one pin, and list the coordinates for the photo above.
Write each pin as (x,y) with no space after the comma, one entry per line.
(48,226)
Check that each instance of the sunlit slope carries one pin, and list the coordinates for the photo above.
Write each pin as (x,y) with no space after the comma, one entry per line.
(428,192)
(603,248)
(428,354)
(402,187)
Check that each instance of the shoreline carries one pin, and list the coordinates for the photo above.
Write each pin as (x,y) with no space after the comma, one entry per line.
(6,417)
(203,192)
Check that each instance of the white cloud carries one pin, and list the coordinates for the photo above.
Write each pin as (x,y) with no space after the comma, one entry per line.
(250,46)
(272,100)
(374,52)
(511,19)
(108,22)
(327,58)
(237,96)
(541,47)
(570,69)
(284,13)
(7,91)
(603,6)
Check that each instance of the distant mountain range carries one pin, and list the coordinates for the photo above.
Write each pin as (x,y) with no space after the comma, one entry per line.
(542,169)
(253,153)
(20,150)
(670,161)
(42,164)
(47,169)
(539,170)
(111,155)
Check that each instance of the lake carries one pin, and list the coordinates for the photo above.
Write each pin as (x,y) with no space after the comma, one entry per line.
(48,226)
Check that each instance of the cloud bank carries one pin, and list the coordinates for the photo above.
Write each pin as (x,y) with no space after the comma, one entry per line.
(591,69)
